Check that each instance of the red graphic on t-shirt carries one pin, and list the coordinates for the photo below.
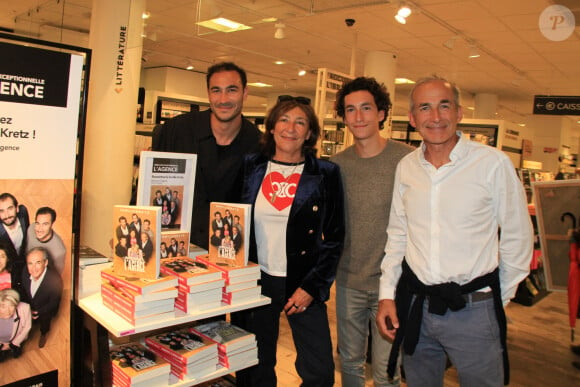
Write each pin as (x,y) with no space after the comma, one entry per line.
(280,190)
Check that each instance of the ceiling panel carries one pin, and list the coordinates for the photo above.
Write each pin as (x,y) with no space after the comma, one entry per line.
(517,60)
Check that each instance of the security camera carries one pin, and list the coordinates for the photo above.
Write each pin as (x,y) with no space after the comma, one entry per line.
(349,22)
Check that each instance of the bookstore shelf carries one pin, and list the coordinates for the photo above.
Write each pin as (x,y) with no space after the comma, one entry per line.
(115,325)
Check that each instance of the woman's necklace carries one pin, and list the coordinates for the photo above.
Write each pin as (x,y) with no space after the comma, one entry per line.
(280,185)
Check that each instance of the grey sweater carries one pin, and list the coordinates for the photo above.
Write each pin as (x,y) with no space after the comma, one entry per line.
(368,189)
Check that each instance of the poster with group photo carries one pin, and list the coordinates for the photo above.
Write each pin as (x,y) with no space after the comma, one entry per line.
(40,101)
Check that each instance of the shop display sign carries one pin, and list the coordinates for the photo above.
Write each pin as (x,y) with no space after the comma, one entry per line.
(40,104)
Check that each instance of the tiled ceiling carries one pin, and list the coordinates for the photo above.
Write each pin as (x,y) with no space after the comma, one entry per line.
(517,61)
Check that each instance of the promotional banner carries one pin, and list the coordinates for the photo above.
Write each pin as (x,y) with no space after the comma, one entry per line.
(40,100)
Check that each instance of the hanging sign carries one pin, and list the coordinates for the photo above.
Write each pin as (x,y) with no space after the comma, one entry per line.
(557,105)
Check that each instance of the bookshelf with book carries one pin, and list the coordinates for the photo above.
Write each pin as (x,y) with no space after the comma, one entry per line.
(120,310)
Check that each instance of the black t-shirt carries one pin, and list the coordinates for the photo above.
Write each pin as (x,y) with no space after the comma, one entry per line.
(218,175)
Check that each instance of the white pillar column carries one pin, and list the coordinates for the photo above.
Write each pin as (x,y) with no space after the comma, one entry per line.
(383,66)
(116,43)
(485,105)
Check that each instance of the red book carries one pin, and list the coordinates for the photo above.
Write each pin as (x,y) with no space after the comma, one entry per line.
(189,271)
(138,285)
(229,272)
(228,337)
(216,284)
(182,347)
(126,302)
(134,363)
(243,295)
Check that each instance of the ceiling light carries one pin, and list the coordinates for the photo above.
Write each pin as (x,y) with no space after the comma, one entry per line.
(279,62)
(259,84)
(403,81)
(188,65)
(280,34)
(223,25)
(146,15)
(473,52)
(403,13)
(302,72)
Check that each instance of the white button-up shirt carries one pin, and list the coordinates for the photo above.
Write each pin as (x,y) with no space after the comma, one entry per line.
(445,221)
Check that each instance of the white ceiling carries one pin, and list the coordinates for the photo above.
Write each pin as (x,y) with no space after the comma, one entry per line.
(516,63)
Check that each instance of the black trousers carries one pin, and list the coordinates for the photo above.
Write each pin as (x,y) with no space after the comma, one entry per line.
(310,332)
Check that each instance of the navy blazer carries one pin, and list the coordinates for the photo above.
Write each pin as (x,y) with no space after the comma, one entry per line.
(315,232)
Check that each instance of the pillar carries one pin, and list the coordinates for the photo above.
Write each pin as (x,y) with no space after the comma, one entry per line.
(485,106)
(116,43)
(383,66)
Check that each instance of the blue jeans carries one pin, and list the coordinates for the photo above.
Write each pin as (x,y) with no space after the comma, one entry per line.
(470,337)
(355,311)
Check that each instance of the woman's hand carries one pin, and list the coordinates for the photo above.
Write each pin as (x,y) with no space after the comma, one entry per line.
(298,303)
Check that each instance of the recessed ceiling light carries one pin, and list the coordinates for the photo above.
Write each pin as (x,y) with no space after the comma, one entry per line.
(403,81)
(146,15)
(522,125)
(473,52)
(279,62)
(302,73)
(259,84)
(223,25)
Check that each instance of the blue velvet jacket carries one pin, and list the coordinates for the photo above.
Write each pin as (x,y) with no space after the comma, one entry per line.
(315,232)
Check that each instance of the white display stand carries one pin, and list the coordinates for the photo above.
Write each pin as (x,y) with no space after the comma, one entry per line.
(104,319)
(112,322)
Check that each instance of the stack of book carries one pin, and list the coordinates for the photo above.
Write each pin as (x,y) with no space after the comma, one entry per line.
(199,285)
(191,356)
(136,366)
(236,347)
(139,301)
(91,263)
(241,281)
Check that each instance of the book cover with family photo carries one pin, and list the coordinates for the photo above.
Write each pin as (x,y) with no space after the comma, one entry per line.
(136,241)
(229,226)
(167,181)
(174,243)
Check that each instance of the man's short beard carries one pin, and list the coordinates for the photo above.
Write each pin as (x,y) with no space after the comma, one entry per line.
(9,224)
(229,119)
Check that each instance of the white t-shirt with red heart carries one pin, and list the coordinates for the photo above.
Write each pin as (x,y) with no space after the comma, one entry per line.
(271,212)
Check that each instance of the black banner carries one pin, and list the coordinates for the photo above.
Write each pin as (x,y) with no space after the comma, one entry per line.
(23,80)
(557,105)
